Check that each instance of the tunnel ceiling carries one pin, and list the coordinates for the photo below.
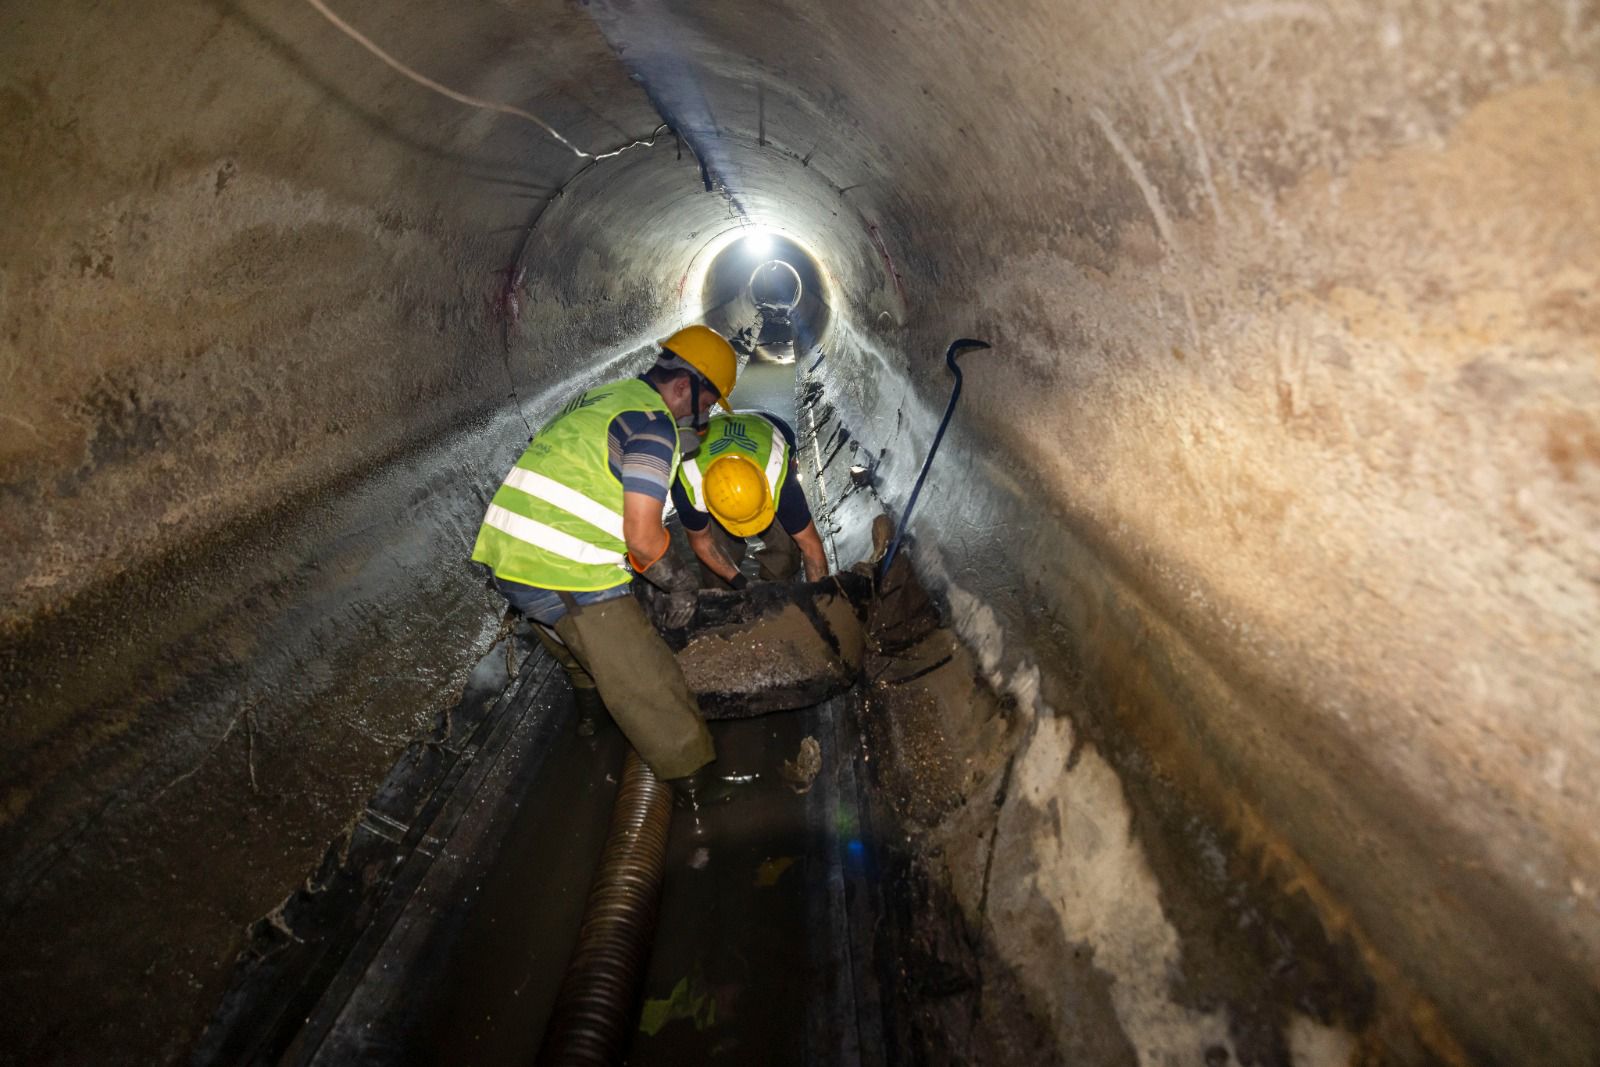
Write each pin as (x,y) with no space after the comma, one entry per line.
(153,290)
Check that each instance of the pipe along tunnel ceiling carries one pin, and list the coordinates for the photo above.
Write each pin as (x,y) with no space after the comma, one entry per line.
(1275,500)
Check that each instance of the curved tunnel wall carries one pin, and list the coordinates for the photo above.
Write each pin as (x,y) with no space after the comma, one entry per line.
(1288,431)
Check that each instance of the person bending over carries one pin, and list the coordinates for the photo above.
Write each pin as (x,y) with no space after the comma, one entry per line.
(580,514)
(744,483)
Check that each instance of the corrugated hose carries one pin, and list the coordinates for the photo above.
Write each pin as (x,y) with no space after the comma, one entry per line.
(594,1013)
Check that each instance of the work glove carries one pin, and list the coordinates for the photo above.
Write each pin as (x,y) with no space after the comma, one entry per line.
(680,584)
(738,583)
(679,609)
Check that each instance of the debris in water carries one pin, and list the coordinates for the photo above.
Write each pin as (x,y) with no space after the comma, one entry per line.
(802,771)
(689,1000)
(701,857)
(771,870)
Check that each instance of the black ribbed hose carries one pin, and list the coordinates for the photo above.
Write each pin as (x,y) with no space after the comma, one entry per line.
(594,1014)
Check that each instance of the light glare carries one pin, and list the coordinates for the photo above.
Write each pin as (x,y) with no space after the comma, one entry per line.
(758,245)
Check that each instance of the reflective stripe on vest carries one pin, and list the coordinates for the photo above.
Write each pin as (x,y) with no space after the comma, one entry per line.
(747,434)
(556,520)
(569,500)
(694,481)
(549,538)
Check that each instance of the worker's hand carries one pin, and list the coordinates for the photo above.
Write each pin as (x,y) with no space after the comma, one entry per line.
(679,582)
(666,573)
(679,609)
(738,583)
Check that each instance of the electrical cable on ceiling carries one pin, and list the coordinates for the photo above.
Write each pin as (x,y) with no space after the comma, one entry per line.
(508,109)
(471,101)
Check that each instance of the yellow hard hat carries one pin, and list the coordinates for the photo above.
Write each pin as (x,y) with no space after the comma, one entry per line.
(708,352)
(737,495)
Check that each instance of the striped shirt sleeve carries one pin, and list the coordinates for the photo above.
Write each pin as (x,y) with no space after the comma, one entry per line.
(641,447)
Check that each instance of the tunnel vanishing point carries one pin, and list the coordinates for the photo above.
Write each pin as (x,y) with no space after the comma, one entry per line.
(1269,528)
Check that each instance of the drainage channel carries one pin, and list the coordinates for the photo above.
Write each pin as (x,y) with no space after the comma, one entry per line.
(764,902)
(440,931)
(752,956)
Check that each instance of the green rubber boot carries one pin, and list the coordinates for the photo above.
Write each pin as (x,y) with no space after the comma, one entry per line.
(592,713)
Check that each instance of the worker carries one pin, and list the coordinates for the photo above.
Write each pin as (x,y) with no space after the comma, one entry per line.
(744,483)
(580,514)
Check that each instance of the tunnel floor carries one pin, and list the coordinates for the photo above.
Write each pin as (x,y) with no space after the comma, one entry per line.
(751,957)
(767,386)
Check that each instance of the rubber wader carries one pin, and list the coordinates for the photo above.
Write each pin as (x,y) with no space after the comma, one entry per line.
(778,555)
(641,684)
(592,713)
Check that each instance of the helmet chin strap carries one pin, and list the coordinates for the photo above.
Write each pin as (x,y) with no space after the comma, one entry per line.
(696,422)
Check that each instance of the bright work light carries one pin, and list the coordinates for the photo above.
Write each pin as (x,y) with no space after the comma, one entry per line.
(758,245)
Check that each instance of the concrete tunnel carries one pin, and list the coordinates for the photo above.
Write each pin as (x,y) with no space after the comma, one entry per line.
(1261,556)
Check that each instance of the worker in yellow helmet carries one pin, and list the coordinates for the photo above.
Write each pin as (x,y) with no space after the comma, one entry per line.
(743,483)
(580,515)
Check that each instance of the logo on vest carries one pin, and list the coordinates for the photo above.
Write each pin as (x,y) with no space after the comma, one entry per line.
(582,401)
(734,435)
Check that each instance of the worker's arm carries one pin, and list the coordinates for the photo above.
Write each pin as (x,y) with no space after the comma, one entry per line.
(794,515)
(709,549)
(641,528)
(648,544)
(649,444)
(809,541)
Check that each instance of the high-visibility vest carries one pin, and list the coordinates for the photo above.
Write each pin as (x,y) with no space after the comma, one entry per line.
(742,433)
(556,521)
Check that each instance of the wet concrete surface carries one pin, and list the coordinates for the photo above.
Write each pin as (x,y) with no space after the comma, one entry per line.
(303,967)
(181,746)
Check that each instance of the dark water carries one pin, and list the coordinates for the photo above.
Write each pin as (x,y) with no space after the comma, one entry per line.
(732,973)
(736,965)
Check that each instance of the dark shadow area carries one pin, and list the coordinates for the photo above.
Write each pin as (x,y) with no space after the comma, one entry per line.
(231,705)
(493,956)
